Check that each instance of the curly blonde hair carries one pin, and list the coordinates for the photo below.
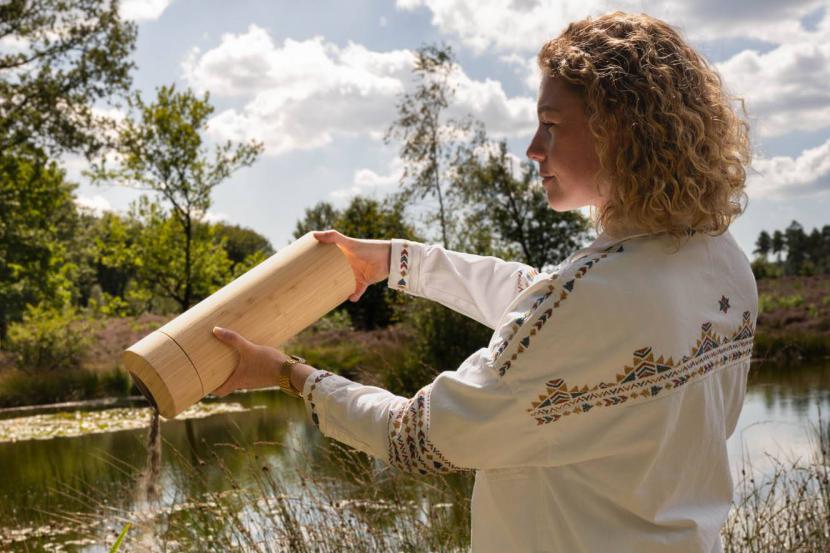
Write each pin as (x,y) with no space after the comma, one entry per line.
(666,135)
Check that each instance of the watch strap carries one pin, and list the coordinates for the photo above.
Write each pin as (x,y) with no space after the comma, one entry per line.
(285,376)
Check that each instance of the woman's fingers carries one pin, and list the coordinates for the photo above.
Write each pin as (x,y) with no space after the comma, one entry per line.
(328,236)
(229,337)
(335,237)
(227,387)
(359,291)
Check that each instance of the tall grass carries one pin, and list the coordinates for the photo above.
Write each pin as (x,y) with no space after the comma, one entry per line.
(358,504)
(787,510)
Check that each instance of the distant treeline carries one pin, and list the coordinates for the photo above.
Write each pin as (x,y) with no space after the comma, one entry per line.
(793,252)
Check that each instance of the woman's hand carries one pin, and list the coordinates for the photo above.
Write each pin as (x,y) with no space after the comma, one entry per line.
(369,258)
(257,366)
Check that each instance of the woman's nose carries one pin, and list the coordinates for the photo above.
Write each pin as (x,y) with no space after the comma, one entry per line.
(534,152)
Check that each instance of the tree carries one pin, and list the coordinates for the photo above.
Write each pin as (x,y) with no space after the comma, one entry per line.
(322,216)
(778,244)
(371,219)
(796,247)
(62,58)
(428,141)
(763,245)
(36,211)
(160,269)
(245,248)
(513,212)
(161,149)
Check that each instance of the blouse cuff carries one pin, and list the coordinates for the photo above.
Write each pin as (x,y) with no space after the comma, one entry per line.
(324,392)
(405,265)
(313,389)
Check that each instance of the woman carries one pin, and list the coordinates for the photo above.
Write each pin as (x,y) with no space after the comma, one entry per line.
(597,417)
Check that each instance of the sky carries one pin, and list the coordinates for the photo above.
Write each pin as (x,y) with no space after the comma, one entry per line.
(317,82)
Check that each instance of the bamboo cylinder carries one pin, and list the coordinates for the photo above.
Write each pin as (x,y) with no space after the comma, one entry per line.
(181,362)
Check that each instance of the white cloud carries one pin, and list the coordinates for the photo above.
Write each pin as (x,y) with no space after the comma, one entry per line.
(785,89)
(525,68)
(97,204)
(300,94)
(782,177)
(365,180)
(143,10)
(524,25)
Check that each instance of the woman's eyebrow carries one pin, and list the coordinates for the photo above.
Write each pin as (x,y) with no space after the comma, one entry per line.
(550,110)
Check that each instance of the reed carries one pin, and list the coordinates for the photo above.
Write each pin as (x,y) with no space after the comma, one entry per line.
(357,504)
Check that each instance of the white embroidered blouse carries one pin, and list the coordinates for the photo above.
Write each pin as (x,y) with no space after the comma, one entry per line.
(597,417)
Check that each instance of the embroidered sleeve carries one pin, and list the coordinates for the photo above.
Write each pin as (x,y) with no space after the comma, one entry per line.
(480,287)
(464,419)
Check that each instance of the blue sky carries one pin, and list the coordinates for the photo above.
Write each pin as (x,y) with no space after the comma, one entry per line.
(317,82)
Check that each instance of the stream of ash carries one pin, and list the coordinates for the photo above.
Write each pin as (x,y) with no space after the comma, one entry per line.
(147,490)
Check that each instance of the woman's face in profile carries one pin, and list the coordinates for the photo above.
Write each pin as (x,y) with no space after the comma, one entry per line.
(564,147)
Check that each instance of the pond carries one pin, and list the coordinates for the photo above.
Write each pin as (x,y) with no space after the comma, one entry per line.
(68,472)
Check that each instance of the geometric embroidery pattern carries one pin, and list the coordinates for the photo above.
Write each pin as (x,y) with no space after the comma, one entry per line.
(317,379)
(543,317)
(523,279)
(404,264)
(409,447)
(724,303)
(647,376)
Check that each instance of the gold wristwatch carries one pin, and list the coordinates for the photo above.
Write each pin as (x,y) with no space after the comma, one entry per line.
(285,376)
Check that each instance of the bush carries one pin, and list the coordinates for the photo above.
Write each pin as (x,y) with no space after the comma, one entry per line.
(769,302)
(444,338)
(20,388)
(765,269)
(49,339)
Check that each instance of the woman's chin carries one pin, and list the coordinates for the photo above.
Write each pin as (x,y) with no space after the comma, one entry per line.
(558,203)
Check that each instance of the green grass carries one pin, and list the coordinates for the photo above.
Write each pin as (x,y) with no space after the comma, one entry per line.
(364,506)
(53,386)
(791,345)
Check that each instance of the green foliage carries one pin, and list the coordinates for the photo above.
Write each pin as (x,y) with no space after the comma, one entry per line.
(245,248)
(763,245)
(807,254)
(812,311)
(62,58)
(430,146)
(766,269)
(369,219)
(101,304)
(444,338)
(794,300)
(49,339)
(22,388)
(791,345)
(322,216)
(36,217)
(768,302)
(117,545)
(337,320)
(160,263)
(161,147)
(510,213)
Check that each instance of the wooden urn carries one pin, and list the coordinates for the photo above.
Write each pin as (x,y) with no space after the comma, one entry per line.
(181,362)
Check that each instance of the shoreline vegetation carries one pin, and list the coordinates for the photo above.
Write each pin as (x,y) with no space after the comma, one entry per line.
(793,326)
(361,505)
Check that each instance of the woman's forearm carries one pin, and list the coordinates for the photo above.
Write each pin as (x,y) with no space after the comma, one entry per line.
(299,373)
